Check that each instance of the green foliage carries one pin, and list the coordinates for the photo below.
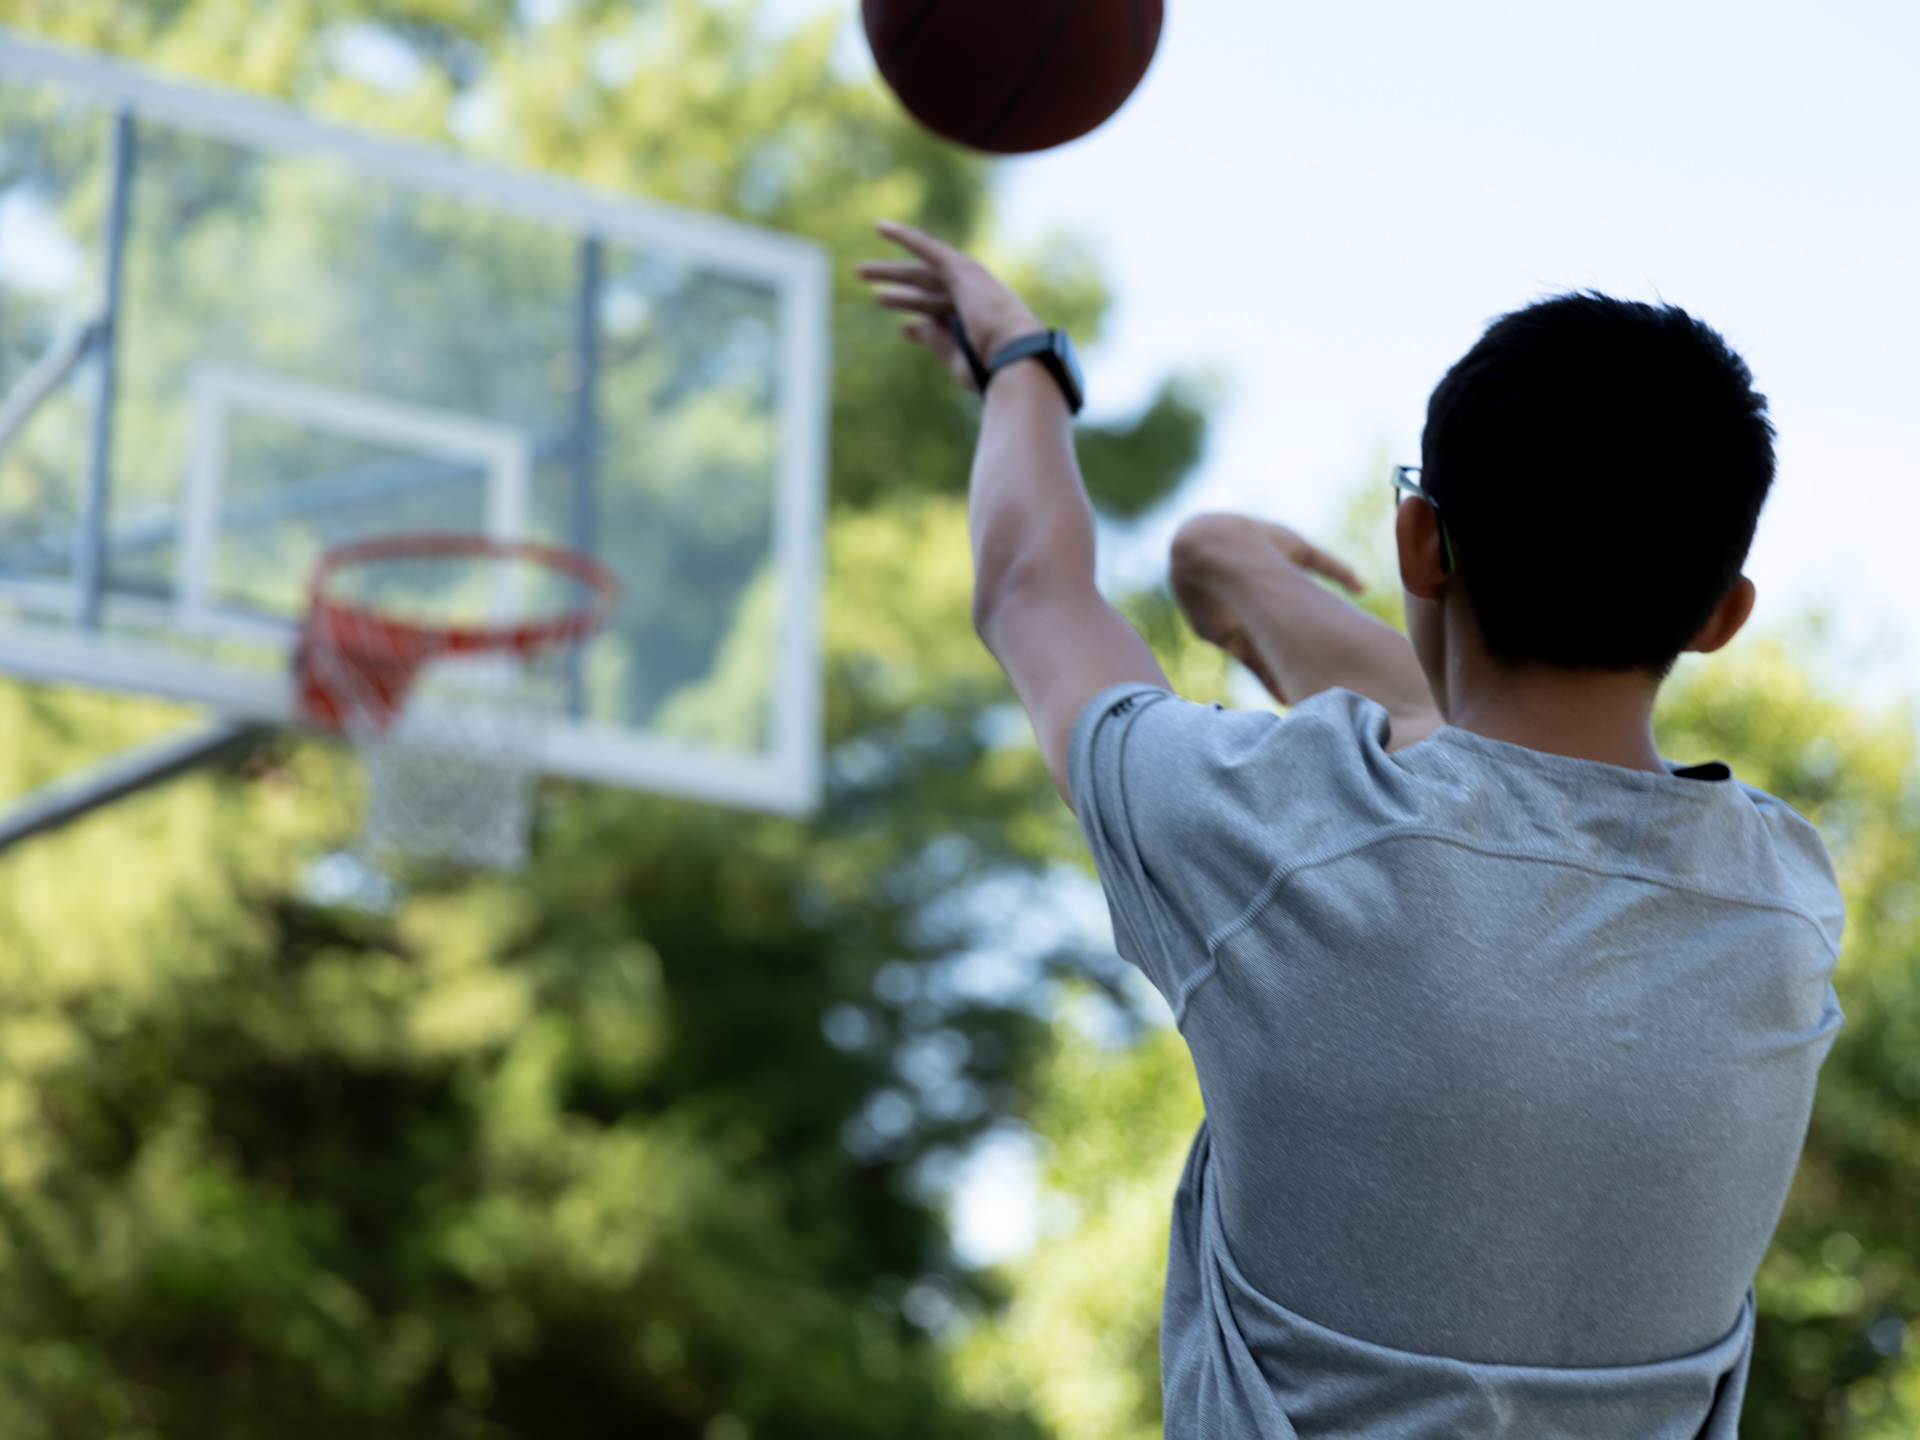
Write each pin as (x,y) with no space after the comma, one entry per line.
(560,1153)
(1842,1281)
(1132,466)
(1079,1344)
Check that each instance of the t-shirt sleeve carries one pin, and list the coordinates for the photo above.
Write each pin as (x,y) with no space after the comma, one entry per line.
(1191,810)
(1161,817)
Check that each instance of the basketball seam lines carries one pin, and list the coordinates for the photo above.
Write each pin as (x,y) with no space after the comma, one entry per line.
(982,137)
(891,64)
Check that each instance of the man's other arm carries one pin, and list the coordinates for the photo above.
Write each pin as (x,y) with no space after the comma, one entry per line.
(1249,587)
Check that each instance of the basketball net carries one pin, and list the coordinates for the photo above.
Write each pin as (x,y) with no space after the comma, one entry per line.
(445,659)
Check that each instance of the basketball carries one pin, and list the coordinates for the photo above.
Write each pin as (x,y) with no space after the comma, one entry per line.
(1012,76)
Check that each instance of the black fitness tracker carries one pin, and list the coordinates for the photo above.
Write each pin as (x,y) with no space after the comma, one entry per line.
(1052,348)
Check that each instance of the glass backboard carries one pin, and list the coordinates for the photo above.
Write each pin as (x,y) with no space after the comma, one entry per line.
(231,337)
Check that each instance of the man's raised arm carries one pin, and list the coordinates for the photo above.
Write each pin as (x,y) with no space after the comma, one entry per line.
(1035,604)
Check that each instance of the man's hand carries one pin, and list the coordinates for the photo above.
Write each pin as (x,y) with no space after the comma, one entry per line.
(941,281)
(1248,587)
(1238,541)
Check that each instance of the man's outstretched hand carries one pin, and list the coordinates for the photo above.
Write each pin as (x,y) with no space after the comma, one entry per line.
(1250,587)
(940,281)
(1213,559)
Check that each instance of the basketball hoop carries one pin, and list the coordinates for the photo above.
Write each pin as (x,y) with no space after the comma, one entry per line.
(443,658)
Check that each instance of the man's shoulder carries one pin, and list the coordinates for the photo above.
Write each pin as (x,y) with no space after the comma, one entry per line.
(1188,735)
(1234,790)
(1196,780)
(1794,866)
(1187,810)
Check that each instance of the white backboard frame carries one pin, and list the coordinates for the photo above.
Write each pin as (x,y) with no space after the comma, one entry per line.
(783,778)
(504,454)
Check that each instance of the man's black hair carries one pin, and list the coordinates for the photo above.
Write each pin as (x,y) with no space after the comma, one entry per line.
(1600,465)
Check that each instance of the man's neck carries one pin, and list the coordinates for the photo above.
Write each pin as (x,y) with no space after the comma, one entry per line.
(1603,715)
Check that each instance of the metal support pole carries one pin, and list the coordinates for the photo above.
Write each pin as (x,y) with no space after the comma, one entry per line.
(582,516)
(43,377)
(90,558)
(72,796)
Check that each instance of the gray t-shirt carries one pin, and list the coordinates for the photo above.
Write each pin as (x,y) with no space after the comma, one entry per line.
(1507,1060)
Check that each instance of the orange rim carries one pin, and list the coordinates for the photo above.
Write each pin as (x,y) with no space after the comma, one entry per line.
(385,651)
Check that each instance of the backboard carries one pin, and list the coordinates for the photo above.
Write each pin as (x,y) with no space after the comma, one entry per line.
(231,337)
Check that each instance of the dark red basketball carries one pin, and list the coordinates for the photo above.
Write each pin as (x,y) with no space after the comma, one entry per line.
(1011,76)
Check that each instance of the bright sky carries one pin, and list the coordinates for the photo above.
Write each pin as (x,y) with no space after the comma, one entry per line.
(1329,201)
(1326,203)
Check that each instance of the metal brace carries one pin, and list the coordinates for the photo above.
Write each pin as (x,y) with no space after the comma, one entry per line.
(134,769)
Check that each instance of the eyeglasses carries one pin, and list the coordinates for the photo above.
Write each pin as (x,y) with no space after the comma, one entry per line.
(1406,481)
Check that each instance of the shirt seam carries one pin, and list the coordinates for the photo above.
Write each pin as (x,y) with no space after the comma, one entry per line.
(1123,711)
(1468,744)
(1287,870)
(1192,983)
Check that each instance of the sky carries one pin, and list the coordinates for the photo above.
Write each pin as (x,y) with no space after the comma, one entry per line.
(1323,205)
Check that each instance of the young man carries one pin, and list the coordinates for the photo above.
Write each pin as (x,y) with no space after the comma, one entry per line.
(1507,1029)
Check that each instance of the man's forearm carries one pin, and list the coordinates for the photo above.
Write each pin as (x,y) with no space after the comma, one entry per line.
(1026,507)
(1035,603)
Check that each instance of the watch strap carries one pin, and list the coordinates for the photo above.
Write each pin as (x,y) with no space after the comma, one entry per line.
(1042,345)
(1038,343)
(981,374)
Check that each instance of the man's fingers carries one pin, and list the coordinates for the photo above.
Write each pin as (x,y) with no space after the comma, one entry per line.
(925,332)
(1311,557)
(930,333)
(1338,571)
(924,302)
(936,282)
(936,253)
(900,272)
(937,338)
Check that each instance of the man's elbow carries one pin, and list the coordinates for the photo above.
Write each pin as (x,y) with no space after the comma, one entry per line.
(1011,592)
(994,595)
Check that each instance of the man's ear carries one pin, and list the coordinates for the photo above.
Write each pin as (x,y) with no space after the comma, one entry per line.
(1416,531)
(1727,618)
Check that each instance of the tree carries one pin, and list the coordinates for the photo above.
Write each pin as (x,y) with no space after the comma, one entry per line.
(1077,1345)
(1833,1354)
(625,1143)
